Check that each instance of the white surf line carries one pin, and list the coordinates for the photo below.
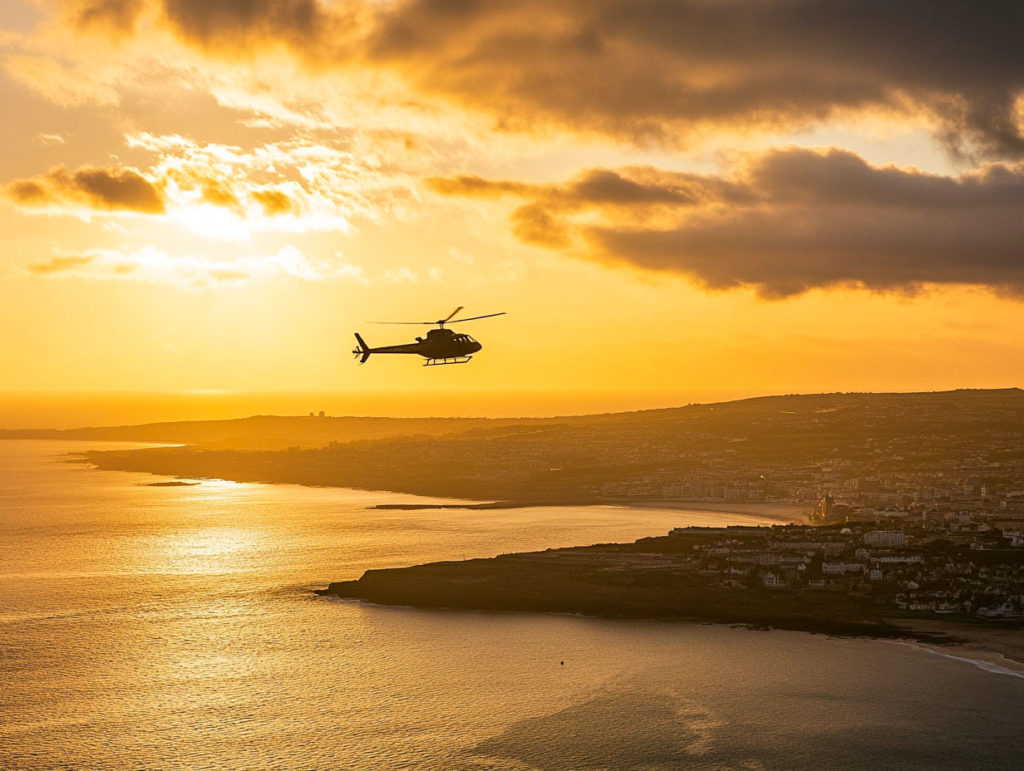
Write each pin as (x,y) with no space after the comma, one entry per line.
(988,666)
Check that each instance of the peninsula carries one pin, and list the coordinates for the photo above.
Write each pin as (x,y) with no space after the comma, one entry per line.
(849,580)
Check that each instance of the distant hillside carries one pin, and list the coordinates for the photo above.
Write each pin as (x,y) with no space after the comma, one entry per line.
(265,432)
(779,448)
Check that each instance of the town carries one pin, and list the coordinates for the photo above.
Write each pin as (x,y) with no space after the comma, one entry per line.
(953,564)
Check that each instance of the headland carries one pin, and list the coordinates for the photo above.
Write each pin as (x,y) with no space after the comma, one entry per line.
(784,577)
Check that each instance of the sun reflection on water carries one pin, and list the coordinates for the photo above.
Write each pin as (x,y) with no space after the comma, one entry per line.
(213,533)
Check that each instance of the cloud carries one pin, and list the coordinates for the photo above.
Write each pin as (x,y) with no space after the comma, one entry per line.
(274,202)
(784,222)
(478,187)
(402,275)
(59,265)
(61,82)
(658,71)
(215,23)
(90,187)
(299,185)
(118,16)
(230,23)
(646,71)
(295,186)
(626,187)
(535,225)
(49,140)
(152,265)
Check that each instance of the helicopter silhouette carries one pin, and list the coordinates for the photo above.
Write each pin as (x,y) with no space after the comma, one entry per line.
(441,346)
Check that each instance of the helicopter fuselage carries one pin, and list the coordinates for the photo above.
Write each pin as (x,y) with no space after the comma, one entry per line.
(439,344)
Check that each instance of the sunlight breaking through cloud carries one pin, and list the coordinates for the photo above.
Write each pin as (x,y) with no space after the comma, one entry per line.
(294,186)
(150,264)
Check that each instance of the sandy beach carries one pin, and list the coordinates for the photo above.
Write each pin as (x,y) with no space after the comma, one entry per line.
(782,512)
(993,646)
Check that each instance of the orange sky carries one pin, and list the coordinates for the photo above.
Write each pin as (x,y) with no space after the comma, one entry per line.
(680,201)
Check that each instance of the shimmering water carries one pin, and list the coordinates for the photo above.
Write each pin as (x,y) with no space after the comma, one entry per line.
(174,627)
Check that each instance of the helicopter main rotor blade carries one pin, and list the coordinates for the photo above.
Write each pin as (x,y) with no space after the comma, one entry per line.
(450,315)
(442,322)
(474,318)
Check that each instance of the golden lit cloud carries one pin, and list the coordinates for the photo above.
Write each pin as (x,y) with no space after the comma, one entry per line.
(60,265)
(91,188)
(223,190)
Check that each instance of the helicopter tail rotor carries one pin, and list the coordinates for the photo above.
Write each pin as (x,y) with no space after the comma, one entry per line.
(362,351)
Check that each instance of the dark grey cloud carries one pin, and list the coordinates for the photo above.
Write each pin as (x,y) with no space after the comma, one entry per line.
(787,253)
(625,187)
(233,27)
(478,187)
(656,70)
(234,21)
(652,70)
(118,16)
(787,221)
(92,187)
(841,177)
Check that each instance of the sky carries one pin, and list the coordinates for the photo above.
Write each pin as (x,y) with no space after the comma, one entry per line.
(682,200)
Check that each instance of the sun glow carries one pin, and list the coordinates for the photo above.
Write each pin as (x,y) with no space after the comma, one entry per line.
(210,220)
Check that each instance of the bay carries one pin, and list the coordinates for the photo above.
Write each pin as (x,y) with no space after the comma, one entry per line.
(176,628)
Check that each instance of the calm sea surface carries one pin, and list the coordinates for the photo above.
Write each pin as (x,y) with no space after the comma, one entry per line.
(174,627)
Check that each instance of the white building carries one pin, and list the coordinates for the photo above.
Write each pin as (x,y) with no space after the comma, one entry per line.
(884,538)
(840,568)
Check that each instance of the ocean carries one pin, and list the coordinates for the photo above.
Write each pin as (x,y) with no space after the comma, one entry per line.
(148,627)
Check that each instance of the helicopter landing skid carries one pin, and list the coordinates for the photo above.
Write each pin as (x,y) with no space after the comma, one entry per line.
(452,360)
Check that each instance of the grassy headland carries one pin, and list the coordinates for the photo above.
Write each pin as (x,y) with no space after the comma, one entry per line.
(684,576)
(651,578)
(770,449)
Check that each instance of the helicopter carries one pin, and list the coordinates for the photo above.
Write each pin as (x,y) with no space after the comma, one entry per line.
(441,346)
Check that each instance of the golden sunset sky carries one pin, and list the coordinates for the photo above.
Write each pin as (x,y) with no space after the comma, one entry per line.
(696,199)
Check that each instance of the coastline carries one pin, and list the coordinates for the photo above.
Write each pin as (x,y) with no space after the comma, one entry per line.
(987,647)
(782,513)
(654,578)
(1000,651)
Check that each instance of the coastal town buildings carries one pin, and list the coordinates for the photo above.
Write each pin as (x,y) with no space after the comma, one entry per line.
(964,566)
